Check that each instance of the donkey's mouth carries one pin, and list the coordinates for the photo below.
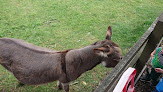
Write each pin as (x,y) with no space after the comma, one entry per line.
(118,59)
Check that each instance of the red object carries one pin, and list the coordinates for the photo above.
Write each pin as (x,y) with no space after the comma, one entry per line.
(131,87)
(127,76)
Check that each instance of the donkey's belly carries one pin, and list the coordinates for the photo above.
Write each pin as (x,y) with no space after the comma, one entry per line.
(36,81)
(35,78)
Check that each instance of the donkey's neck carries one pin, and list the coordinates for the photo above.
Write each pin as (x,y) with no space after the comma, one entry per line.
(87,54)
(81,60)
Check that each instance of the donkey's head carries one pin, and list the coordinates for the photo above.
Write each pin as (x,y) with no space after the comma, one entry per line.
(109,51)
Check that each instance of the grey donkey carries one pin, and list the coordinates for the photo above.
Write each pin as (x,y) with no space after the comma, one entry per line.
(35,65)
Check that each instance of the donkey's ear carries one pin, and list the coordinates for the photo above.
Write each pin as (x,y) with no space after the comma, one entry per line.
(109,33)
(100,49)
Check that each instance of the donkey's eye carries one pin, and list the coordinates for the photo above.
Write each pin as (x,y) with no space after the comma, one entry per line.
(107,46)
(107,49)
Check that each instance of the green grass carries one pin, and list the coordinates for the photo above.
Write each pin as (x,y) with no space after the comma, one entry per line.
(68,24)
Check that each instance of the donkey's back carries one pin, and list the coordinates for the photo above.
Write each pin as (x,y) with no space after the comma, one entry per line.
(30,64)
(11,42)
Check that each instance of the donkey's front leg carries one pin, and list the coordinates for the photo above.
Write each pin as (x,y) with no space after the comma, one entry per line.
(65,87)
(20,84)
(59,84)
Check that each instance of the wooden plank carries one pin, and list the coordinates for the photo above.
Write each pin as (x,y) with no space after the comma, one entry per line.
(154,39)
(110,81)
(149,60)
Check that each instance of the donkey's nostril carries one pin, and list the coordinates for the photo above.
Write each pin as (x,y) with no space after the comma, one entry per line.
(120,58)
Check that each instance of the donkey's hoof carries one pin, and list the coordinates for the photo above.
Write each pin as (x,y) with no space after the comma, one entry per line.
(20,85)
(60,87)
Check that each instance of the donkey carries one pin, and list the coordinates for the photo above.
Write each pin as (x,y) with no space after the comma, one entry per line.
(35,65)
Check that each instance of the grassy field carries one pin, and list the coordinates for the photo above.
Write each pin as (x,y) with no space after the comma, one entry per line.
(68,24)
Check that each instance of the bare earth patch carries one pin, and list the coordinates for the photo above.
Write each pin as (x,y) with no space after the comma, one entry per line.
(143,87)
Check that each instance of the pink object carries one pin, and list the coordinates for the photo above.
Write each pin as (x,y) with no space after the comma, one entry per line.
(127,76)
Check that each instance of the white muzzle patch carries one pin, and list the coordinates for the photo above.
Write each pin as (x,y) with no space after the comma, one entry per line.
(103,63)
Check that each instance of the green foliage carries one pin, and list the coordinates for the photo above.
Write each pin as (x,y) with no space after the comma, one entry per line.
(68,24)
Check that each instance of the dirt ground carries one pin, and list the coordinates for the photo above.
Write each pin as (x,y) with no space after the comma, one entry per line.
(143,87)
